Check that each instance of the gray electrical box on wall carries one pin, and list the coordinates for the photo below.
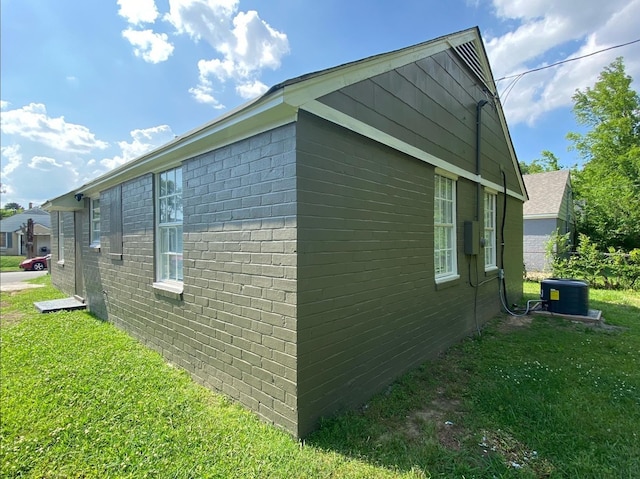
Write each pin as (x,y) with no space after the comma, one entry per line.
(471,237)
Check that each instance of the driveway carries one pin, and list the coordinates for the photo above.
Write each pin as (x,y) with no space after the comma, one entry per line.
(14,280)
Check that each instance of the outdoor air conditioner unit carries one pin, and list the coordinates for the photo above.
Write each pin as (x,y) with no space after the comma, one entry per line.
(565,296)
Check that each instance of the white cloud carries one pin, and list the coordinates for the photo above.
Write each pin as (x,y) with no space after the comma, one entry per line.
(138,11)
(203,93)
(32,122)
(44,163)
(551,28)
(257,44)
(150,46)
(246,45)
(13,158)
(251,89)
(143,142)
(203,19)
(4,105)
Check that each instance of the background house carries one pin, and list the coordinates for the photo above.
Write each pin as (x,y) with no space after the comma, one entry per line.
(12,240)
(304,250)
(549,209)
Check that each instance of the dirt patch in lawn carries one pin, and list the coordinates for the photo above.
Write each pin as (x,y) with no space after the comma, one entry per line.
(10,318)
(509,324)
(443,414)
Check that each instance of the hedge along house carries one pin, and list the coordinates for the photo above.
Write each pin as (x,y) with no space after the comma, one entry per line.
(302,251)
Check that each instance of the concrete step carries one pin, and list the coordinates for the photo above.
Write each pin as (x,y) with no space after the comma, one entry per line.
(65,304)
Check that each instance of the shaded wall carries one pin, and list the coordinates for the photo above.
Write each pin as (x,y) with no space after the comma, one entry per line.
(368,305)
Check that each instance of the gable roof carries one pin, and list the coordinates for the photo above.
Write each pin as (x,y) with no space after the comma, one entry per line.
(546,193)
(15,222)
(280,106)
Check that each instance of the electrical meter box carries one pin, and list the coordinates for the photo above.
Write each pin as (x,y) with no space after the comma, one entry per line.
(471,237)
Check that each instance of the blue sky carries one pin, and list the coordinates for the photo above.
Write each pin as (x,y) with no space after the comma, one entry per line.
(86,86)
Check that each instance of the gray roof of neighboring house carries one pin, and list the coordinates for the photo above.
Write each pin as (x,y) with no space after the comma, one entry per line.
(546,192)
(15,222)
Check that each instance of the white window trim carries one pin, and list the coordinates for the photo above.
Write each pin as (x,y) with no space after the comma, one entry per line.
(95,242)
(491,264)
(453,274)
(161,284)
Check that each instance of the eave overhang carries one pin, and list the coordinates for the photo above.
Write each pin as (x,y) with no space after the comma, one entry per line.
(280,106)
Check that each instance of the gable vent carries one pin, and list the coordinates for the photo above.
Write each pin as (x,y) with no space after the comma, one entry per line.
(469,54)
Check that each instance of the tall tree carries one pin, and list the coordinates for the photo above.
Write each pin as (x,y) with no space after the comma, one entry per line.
(548,162)
(608,186)
(13,206)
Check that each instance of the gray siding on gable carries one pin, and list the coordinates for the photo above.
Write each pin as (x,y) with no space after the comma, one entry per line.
(368,305)
(431,104)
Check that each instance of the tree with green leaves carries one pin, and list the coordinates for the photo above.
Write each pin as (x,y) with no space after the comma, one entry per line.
(548,162)
(10,209)
(13,206)
(607,187)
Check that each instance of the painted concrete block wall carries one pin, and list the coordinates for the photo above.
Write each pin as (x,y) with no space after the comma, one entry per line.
(513,251)
(368,305)
(240,271)
(234,329)
(63,274)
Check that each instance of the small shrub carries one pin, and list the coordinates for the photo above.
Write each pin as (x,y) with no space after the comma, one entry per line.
(615,269)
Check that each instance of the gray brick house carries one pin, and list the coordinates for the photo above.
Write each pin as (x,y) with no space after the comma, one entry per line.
(548,209)
(302,251)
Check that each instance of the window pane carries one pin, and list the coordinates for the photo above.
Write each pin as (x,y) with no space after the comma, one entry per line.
(444,227)
(178,181)
(169,233)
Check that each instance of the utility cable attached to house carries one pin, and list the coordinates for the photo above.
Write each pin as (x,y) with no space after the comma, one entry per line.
(501,276)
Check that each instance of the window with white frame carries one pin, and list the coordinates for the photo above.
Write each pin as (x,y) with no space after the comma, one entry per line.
(95,223)
(60,236)
(169,230)
(444,218)
(489,231)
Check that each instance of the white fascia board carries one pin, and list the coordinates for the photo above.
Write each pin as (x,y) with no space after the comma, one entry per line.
(262,116)
(330,114)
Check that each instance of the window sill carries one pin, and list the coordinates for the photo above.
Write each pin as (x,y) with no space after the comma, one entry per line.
(60,263)
(169,290)
(94,248)
(115,256)
(491,269)
(447,282)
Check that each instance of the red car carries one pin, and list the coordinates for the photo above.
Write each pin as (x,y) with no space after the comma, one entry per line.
(35,264)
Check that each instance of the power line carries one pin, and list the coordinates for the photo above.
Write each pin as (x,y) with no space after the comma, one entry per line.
(520,75)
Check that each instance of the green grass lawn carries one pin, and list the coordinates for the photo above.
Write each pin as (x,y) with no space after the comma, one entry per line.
(10,263)
(531,397)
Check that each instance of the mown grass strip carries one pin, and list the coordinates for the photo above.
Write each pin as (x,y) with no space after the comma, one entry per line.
(82,399)
(529,398)
(10,263)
